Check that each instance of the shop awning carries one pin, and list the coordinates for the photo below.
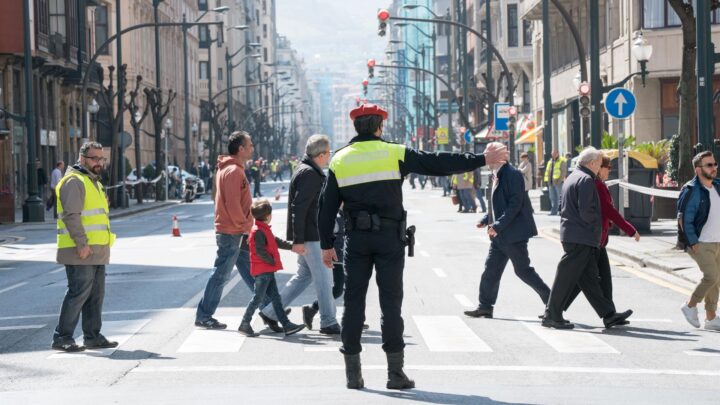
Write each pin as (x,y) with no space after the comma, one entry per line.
(530,136)
(484,133)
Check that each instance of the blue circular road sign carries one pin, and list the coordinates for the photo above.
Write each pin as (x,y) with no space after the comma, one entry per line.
(620,103)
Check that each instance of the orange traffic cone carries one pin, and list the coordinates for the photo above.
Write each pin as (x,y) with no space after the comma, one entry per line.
(175,228)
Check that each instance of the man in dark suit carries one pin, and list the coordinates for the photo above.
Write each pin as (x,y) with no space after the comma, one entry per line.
(510,225)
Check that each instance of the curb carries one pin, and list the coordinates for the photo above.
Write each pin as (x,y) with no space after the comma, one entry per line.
(641,260)
(144,208)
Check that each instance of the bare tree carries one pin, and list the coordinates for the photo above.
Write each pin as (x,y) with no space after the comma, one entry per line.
(134,108)
(159,108)
(687,88)
(108,96)
(214,111)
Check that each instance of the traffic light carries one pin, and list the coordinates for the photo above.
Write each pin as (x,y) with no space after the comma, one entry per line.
(365,86)
(357,102)
(383,15)
(512,120)
(584,99)
(371,68)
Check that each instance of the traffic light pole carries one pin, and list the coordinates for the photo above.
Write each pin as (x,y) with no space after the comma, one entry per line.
(547,97)
(706,60)
(595,82)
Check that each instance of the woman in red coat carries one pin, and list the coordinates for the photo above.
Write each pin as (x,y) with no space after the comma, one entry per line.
(609,215)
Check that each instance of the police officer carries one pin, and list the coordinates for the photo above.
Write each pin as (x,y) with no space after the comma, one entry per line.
(367,177)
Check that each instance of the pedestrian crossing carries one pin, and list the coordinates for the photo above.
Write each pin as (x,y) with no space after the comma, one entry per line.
(423,333)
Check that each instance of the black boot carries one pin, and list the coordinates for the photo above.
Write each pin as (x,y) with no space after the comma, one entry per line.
(353,372)
(397,380)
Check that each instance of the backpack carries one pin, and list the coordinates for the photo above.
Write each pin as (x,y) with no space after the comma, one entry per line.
(683,198)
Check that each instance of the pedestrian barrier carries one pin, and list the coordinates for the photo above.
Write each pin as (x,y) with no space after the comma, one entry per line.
(644,190)
(176,227)
(136,182)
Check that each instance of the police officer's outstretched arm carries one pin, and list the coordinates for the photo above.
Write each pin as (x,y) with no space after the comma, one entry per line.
(330,201)
(446,163)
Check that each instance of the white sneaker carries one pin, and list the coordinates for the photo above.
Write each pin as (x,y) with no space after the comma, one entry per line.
(691,315)
(713,324)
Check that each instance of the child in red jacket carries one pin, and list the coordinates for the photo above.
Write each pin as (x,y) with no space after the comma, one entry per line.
(264,262)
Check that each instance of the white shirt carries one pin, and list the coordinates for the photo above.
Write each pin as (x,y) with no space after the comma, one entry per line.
(711,231)
(55,177)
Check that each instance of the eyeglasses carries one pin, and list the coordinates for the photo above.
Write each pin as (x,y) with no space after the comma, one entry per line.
(96,159)
(709,165)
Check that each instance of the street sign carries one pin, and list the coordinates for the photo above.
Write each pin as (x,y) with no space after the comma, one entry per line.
(620,103)
(501,116)
(442,136)
(468,136)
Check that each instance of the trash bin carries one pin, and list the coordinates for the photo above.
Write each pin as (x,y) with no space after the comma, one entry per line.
(641,171)
(545,197)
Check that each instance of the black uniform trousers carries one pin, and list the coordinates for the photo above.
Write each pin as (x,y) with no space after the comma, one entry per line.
(605,279)
(578,267)
(384,251)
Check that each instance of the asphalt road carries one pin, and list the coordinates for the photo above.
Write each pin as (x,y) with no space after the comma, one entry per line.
(155,280)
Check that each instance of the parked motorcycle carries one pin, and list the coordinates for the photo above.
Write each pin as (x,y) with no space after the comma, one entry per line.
(190,189)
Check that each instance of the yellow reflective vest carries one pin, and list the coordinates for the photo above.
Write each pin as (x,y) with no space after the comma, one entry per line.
(94,216)
(557,169)
(366,162)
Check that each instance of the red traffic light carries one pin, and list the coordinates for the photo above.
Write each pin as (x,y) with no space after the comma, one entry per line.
(371,63)
(365,82)
(512,111)
(383,15)
(584,88)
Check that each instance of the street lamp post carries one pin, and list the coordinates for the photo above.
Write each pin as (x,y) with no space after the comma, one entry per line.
(168,127)
(33,206)
(229,66)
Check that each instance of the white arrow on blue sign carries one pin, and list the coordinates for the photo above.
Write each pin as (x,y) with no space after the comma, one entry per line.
(620,103)
(468,136)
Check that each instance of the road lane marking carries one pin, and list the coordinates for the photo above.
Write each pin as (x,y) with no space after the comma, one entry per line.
(215,341)
(193,301)
(449,334)
(568,341)
(58,270)
(129,311)
(120,331)
(424,253)
(20,327)
(439,272)
(12,287)
(464,301)
(432,368)
(651,320)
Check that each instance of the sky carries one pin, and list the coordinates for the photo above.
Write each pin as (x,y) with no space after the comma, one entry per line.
(338,35)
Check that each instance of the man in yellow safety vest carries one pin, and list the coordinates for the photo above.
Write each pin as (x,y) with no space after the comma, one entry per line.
(83,240)
(555,174)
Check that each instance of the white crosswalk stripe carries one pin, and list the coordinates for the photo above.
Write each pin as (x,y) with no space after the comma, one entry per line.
(214,341)
(119,331)
(449,334)
(568,341)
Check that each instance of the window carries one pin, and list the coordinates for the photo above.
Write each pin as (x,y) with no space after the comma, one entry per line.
(265,54)
(527,33)
(204,70)
(42,10)
(512,23)
(204,36)
(203,5)
(264,6)
(101,28)
(220,74)
(57,17)
(264,30)
(257,17)
(659,14)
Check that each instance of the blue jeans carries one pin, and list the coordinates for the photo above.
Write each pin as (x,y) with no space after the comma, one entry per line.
(495,264)
(480,194)
(229,254)
(310,270)
(265,287)
(555,191)
(85,293)
(467,200)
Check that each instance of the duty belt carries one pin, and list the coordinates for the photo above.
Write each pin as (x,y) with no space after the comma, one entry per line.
(364,221)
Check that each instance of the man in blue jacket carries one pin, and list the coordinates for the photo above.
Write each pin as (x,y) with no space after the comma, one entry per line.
(510,225)
(700,223)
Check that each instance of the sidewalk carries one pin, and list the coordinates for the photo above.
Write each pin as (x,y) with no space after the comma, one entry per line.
(133,208)
(655,250)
